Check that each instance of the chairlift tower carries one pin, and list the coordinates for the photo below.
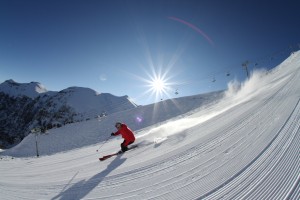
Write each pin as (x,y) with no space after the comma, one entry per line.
(36,131)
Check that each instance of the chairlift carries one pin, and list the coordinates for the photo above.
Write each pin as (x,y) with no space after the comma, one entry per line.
(227,74)
(176,92)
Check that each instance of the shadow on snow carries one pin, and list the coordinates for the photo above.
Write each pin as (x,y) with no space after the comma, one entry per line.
(83,187)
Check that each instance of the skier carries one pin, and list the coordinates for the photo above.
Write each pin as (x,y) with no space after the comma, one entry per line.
(126,133)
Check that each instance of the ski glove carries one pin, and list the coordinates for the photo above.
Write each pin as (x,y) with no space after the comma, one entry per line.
(112,134)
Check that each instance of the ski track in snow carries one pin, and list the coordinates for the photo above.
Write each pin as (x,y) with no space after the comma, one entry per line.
(248,150)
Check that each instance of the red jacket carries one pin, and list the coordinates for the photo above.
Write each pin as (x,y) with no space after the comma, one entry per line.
(126,133)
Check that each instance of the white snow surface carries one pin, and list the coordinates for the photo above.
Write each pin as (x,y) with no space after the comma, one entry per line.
(244,146)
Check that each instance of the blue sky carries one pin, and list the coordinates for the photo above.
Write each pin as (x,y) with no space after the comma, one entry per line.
(117,46)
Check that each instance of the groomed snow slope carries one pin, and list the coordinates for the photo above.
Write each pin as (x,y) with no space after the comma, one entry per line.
(247,146)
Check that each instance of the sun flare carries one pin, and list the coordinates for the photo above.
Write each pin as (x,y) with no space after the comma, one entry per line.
(159,78)
(158,85)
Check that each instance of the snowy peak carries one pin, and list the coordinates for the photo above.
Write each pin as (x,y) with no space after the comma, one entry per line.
(79,90)
(14,89)
(91,103)
(82,100)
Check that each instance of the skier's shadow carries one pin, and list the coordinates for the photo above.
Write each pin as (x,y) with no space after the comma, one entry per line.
(80,189)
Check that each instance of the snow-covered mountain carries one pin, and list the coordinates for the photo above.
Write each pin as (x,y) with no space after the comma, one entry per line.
(90,103)
(243,146)
(25,106)
(14,89)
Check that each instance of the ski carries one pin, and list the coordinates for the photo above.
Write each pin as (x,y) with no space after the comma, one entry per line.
(114,154)
(108,156)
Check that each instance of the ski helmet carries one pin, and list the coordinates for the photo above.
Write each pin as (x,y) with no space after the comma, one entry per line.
(118,124)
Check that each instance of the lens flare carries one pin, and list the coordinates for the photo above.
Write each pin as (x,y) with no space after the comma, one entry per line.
(138,119)
(194,28)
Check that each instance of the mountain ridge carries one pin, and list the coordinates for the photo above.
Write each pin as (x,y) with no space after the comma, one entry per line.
(25,106)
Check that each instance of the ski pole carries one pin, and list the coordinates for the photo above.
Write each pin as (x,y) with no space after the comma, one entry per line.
(103,143)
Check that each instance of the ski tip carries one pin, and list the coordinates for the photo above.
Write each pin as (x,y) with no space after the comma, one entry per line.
(102,159)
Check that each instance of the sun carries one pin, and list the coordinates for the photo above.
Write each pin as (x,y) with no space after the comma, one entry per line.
(159,77)
(158,85)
